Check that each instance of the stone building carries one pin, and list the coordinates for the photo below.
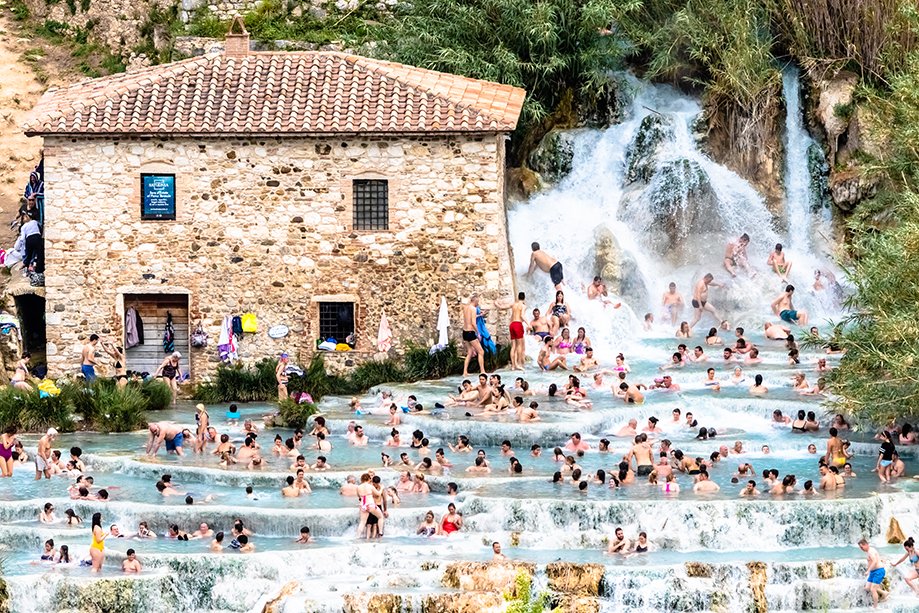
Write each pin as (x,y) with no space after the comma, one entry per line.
(313,189)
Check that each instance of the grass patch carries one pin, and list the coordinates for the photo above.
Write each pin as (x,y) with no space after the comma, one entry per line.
(295,415)
(238,383)
(99,406)
(157,394)
(20,10)
(52,30)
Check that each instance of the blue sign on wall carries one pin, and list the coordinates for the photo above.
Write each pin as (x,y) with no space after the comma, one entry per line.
(158,196)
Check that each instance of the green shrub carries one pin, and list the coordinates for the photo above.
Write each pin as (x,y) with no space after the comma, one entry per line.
(372,373)
(118,410)
(296,415)
(52,30)
(20,10)
(157,394)
(31,413)
(420,363)
(238,383)
(548,47)
(205,23)
(275,20)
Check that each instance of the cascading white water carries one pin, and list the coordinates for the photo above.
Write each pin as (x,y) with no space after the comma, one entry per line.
(797,177)
(807,220)
(670,210)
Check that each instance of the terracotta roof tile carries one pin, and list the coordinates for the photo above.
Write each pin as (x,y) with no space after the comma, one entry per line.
(300,92)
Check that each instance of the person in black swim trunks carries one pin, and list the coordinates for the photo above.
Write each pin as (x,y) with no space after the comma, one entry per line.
(546,263)
(470,335)
(700,299)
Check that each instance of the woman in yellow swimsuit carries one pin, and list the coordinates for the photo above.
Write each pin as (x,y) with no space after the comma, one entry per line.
(97,547)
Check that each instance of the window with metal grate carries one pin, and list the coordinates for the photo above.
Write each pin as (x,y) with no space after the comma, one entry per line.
(336,320)
(371,204)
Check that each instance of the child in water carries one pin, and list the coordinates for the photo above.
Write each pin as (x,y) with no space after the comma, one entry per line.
(232,415)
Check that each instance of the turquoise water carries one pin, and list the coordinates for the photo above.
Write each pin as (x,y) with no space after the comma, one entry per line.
(535,519)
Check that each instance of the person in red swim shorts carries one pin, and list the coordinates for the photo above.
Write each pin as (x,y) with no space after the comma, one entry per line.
(518,348)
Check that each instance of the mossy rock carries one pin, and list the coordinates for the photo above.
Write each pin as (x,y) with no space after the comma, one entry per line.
(485,576)
(463,602)
(553,156)
(521,183)
(819,172)
(641,156)
(826,569)
(567,603)
(758,587)
(698,570)
(100,596)
(361,602)
(572,578)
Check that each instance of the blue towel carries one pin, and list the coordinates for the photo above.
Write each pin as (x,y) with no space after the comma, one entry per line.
(484,336)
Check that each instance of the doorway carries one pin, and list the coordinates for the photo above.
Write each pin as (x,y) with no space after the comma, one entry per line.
(152,312)
(31,311)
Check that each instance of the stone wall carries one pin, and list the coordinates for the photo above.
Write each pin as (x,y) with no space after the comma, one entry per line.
(117,24)
(264,225)
(223,9)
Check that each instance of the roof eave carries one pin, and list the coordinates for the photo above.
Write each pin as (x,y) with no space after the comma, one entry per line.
(85,134)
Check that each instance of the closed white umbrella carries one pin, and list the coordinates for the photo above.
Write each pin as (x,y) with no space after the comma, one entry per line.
(384,336)
(443,322)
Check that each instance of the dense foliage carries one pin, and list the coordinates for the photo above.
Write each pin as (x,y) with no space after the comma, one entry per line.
(294,414)
(548,47)
(523,599)
(99,406)
(871,36)
(878,378)
(723,45)
(240,383)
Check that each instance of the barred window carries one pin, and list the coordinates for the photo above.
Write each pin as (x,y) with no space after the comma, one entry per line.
(371,204)
(336,320)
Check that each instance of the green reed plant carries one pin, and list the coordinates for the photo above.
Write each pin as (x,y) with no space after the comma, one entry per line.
(29,412)
(257,383)
(157,394)
(117,410)
(240,383)
(296,415)
(420,363)
(523,599)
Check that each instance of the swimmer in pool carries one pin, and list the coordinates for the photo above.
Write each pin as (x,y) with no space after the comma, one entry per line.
(546,360)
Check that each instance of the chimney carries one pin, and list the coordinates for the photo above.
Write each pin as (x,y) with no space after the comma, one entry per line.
(237,39)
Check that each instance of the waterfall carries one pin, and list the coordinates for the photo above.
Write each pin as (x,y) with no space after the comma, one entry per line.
(644,205)
(806,216)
